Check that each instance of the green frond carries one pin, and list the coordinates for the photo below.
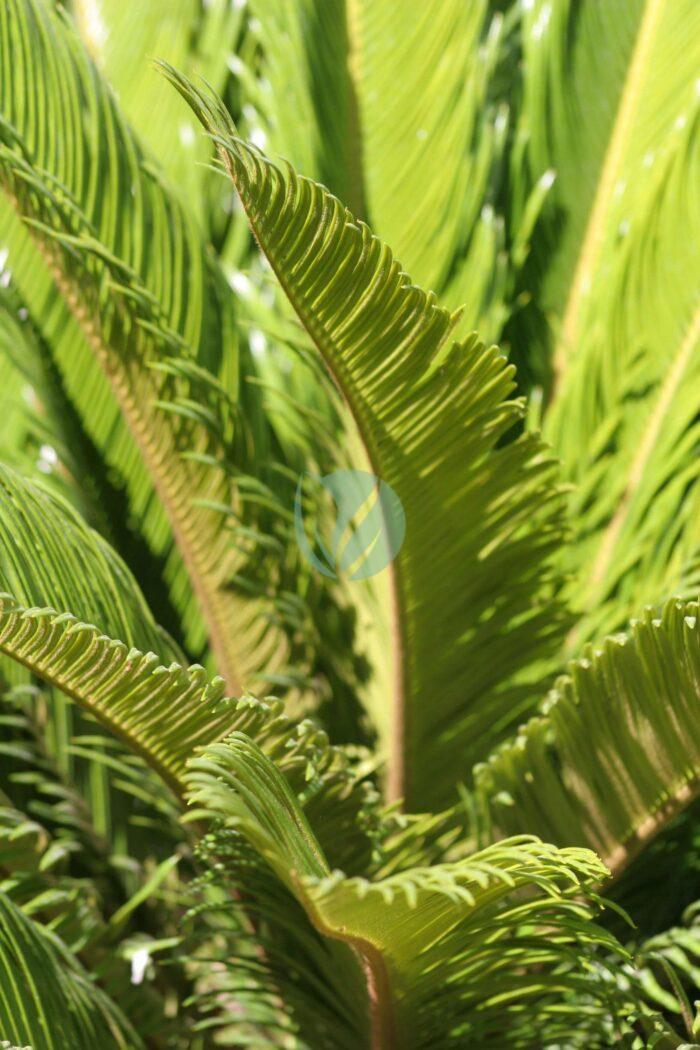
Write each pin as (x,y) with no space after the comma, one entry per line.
(431,418)
(611,106)
(132,693)
(47,1001)
(628,423)
(136,297)
(671,973)
(183,358)
(50,558)
(98,887)
(109,657)
(304,99)
(417,156)
(16,430)
(129,264)
(445,950)
(58,450)
(603,85)
(431,144)
(613,756)
(123,38)
(165,713)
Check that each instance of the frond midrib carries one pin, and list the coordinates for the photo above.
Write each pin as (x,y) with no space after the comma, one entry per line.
(398,774)
(164,480)
(133,741)
(680,797)
(594,236)
(635,475)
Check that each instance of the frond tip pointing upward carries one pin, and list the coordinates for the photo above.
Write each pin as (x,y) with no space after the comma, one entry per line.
(473,607)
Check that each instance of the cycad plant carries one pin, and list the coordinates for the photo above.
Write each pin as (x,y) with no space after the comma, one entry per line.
(251,793)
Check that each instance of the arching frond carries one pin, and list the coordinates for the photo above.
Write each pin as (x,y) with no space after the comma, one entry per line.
(611,105)
(123,39)
(112,662)
(445,950)
(603,85)
(431,144)
(49,557)
(165,713)
(131,692)
(614,754)
(139,293)
(46,999)
(430,419)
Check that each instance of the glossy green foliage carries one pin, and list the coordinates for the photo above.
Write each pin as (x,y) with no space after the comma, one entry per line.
(204,309)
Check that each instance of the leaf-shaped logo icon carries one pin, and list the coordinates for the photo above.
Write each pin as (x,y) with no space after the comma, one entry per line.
(366,528)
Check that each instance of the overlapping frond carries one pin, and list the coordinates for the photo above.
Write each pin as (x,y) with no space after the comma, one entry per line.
(123,39)
(49,557)
(628,425)
(132,693)
(165,713)
(430,418)
(47,1001)
(110,657)
(611,105)
(614,753)
(394,115)
(130,265)
(89,155)
(91,872)
(431,145)
(303,96)
(57,449)
(51,801)
(671,974)
(446,951)
(51,561)
(603,85)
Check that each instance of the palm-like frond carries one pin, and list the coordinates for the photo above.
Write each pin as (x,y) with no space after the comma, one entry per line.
(111,660)
(46,999)
(57,449)
(613,756)
(40,594)
(611,104)
(147,247)
(140,312)
(638,486)
(444,230)
(444,950)
(45,548)
(131,692)
(123,38)
(603,86)
(673,958)
(176,418)
(15,396)
(165,712)
(430,418)
(418,156)
(85,872)
(151,307)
